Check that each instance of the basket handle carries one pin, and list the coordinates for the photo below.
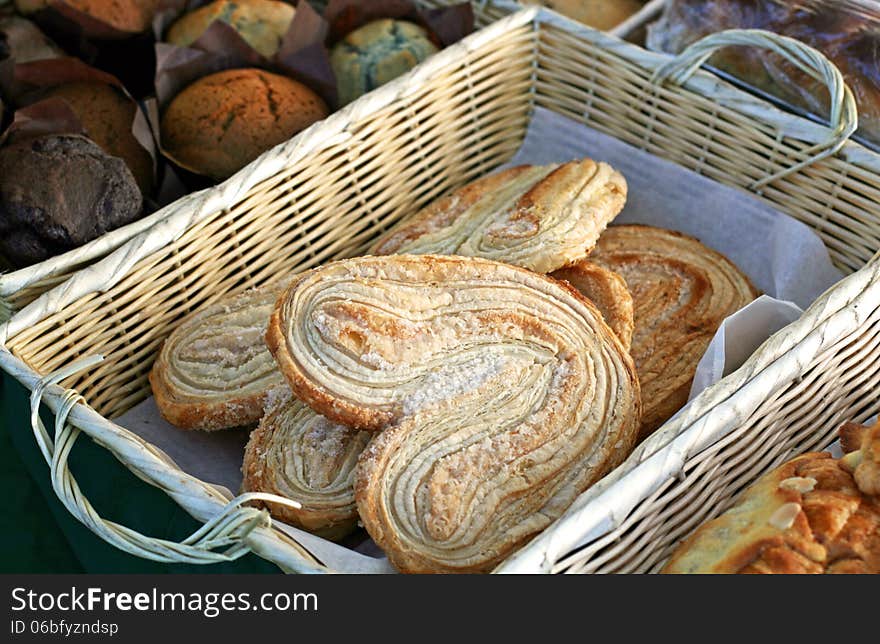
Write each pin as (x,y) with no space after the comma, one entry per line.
(844,114)
(229,529)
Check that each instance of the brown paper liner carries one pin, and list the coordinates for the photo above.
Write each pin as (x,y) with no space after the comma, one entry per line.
(127,55)
(36,77)
(301,56)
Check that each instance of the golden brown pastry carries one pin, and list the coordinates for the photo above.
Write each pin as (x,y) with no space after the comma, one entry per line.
(599,14)
(505,392)
(681,292)
(261,23)
(608,291)
(301,455)
(214,371)
(811,515)
(537,217)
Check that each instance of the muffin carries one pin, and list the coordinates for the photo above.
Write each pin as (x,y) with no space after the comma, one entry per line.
(261,23)
(107,115)
(23,42)
(58,192)
(223,121)
(131,16)
(376,53)
(599,14)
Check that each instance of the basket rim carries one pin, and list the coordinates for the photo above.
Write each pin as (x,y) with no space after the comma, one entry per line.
(773,361)
(703,82)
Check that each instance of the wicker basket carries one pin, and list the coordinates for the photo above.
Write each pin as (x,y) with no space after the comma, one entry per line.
(21,287)
(326,193)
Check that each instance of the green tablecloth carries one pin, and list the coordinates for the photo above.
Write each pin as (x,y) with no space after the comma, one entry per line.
(38,534)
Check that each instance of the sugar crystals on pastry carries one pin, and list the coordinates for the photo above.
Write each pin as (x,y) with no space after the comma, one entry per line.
(299,454)
(501,395)
(682,291)
(214,371)
(537,217)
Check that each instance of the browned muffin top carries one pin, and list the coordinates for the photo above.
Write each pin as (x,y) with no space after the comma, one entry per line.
(224,121)
(107,116)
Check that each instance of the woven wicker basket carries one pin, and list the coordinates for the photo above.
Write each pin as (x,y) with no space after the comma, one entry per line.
(328,192)
(21,287)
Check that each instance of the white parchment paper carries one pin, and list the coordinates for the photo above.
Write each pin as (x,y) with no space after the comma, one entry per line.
(781,256)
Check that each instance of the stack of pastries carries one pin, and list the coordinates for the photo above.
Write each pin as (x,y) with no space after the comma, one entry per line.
(457,388)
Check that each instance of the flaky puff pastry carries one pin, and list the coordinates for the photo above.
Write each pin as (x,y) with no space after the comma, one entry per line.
(608,291)
(298,454)
(682,291)
(214,370)
(502,394)
(537,217)
(811,515)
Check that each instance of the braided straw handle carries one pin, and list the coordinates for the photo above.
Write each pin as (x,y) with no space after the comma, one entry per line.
(229,529)
(844,114)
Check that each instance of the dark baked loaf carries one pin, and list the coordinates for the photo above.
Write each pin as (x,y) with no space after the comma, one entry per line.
(58,192)
(224,121)
(107,115)
(261,23)
(376,53)
(132,16)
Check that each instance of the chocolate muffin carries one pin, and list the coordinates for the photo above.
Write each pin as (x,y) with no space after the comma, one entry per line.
(106,114)
(261,23)
(376,53)
(130,16)
(58,192)
(223,121)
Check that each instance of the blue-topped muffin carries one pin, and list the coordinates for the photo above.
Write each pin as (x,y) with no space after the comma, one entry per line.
(376,53)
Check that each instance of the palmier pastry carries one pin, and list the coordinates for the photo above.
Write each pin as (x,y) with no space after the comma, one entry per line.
(681,292)
(537,217)
(608,291)
(214,371)
(813,514)
(506,395)
(301,455)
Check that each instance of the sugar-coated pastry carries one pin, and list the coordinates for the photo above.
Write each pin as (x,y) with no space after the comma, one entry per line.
(608,291)
(501,393)
(298,454)
(681,292)
(537,217)
(214,371)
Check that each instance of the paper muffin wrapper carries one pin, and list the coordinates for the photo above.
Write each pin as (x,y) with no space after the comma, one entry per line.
(35,117)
